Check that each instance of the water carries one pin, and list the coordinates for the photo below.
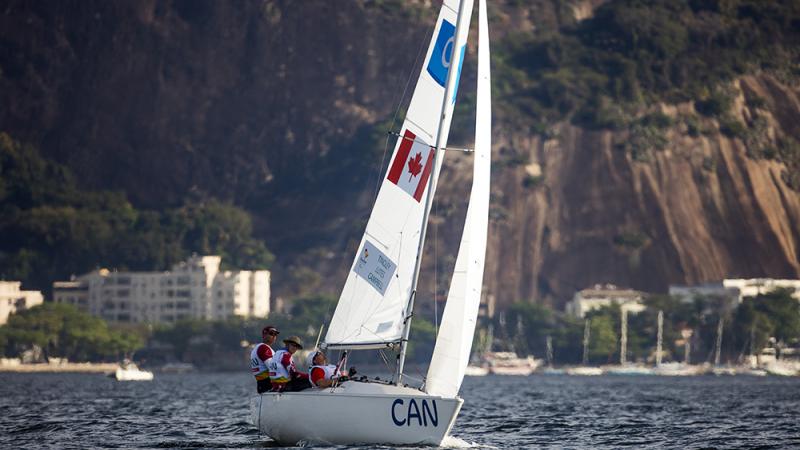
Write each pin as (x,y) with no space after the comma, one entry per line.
(202,410)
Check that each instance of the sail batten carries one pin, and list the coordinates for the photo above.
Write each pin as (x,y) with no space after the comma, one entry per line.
(454,341)
(379,284)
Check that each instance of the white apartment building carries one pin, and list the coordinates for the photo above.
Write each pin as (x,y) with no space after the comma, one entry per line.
(601,295)
(195,288)
(13,299)
(734,289)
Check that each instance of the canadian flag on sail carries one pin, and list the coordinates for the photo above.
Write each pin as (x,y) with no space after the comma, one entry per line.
(412,166)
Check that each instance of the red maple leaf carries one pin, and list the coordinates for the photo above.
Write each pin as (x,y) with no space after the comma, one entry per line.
(414,166)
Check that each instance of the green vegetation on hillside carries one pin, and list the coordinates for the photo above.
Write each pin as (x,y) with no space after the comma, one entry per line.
(632,53)
(50,228)
(62,331)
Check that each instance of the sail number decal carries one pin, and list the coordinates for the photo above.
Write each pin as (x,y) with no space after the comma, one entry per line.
(410,412)
(442,56)
(442,52)
(375,267)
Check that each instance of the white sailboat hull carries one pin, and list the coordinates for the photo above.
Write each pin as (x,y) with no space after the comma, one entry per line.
(132,375)
(584,371)
(355,413)
(476,371)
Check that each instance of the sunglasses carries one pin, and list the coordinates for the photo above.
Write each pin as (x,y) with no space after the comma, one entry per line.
(273,333)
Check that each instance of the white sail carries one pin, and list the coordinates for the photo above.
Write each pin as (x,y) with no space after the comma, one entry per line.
(378,287)
(453,344)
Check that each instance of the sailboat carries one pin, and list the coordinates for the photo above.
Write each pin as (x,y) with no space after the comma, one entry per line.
(478,366)
(584,369)
(129,371)
(624,367)
(670,369)
(510,362)
(719,369)
(375,308)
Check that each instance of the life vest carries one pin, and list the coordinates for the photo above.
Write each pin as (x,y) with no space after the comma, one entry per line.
(331,373)
(258,366)
(278,373)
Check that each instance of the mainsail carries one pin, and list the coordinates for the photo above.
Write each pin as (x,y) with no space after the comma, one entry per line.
(454,341)
(370,312)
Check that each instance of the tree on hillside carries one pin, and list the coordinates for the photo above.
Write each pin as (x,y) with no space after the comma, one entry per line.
(64,331)
(604,339)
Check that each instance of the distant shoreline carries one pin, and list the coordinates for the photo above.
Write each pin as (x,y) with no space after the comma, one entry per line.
(60,368)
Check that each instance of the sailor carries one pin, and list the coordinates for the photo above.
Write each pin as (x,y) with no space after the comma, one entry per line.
(260,357)
(282,371)
(321,374)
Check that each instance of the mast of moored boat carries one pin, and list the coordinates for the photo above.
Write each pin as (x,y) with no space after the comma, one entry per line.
(623,339)
(718,346)
(586,331)
(659,337)
(452,75)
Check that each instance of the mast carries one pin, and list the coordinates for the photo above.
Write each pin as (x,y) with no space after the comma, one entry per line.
(623,340)
(549,344)
(586,332)
(449,86)
(718,346)
(660,338)
(687,346)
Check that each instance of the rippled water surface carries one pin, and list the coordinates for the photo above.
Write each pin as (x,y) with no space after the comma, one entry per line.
(202,410)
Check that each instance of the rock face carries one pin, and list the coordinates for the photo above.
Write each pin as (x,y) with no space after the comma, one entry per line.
(273,105)
(699,210)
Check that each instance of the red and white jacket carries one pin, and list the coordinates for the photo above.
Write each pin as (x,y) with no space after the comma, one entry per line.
(326,372)
(282,368)
(259,361)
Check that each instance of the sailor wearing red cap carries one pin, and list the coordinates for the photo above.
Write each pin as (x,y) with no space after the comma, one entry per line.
(260,357)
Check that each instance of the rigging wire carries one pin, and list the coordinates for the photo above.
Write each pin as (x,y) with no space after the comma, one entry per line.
(397,111)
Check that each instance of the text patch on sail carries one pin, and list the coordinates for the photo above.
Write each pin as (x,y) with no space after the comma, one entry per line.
(375,267)
(442,52)
(411,167)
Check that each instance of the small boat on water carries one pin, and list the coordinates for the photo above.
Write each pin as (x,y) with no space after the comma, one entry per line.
(677,369)
(782,368)
(509,363)
(584,371)
(628,369)
(476,371)
(129,371)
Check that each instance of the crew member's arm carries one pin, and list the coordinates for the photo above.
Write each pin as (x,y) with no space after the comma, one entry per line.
(318,377)
(293,373)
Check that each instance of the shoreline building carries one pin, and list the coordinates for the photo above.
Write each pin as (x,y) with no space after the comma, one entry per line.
(13,299)
(601,295)
(192,289)
(734,289)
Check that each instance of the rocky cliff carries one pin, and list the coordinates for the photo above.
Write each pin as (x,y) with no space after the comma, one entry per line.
(281,107)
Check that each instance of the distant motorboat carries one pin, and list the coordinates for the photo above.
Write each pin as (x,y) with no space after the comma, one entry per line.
(676,369)
(724,371)
(782,368)
(628,369)
(129,371)
(508,363)
(584,371)
(476,371)
(748,371)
